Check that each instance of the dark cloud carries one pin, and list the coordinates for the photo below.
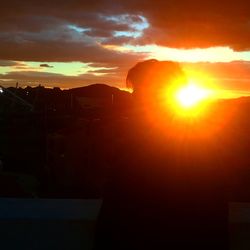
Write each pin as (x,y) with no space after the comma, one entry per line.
(99,33)
(179,23)
(191,23)
(104,71)
(61,51)
(45,65)
(98,23)
(6,63)
(175,23)
(121,40)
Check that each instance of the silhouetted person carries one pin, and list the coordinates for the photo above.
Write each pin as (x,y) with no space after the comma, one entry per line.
(169,185)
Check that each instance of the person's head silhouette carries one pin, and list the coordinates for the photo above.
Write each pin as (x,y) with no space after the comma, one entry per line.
(150,81)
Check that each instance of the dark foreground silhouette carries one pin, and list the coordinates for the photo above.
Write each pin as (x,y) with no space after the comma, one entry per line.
(169,184)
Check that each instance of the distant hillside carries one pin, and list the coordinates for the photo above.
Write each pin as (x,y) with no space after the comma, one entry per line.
(98,91)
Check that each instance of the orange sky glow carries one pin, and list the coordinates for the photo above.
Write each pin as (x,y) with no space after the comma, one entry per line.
(81,44)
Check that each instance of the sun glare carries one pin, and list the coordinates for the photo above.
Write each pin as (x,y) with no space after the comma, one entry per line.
(191,95)
(191,98)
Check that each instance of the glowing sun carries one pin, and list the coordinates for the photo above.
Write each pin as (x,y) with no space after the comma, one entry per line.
(191,99)
(191,95)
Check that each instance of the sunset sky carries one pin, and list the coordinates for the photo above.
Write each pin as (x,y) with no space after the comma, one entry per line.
(74,43)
